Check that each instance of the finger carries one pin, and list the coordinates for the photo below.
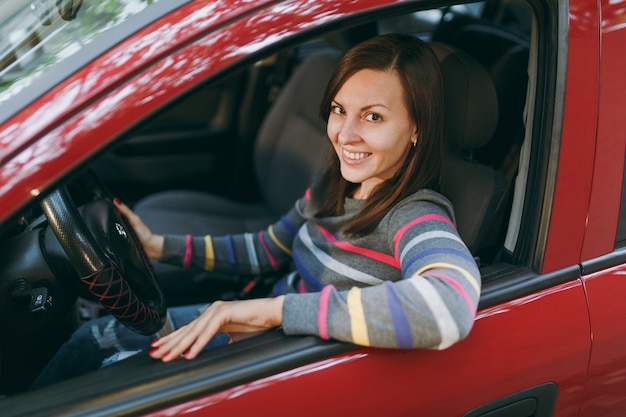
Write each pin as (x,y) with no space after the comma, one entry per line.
(124,209)
(188,340)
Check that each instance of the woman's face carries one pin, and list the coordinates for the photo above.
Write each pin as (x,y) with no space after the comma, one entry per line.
(370,128)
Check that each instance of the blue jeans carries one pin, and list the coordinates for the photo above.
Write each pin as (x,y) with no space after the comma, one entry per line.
(103,341)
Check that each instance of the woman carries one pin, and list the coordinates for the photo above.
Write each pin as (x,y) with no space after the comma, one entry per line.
(378,259)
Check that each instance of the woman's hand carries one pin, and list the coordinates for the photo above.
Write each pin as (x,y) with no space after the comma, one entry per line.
(151,242)
(239,319)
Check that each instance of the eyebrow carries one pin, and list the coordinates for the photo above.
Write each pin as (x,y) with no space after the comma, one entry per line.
(369,106)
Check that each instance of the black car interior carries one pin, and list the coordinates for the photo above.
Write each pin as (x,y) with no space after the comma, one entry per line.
(235,154)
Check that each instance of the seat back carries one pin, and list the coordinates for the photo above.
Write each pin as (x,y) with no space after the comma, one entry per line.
(471,114)
(292,144)
(504,53)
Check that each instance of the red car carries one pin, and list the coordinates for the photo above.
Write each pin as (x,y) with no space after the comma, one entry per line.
(128,98)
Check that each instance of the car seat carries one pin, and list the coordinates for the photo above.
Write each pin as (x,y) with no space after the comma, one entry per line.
(292,144)
(471,104)
(504,54)
(290,147)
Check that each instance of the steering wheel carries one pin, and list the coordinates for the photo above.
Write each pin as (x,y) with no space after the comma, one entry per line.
(110,262)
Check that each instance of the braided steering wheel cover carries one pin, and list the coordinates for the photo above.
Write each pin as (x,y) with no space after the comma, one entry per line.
(116,296)
(102,275)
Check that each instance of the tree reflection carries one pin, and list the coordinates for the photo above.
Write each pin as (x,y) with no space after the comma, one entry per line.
(46,32)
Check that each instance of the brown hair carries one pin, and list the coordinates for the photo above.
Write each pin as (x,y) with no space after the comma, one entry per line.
(420,75)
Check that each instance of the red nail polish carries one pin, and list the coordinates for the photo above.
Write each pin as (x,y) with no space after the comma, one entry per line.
(117,201)
(153,342)
(153,351)
(187,355)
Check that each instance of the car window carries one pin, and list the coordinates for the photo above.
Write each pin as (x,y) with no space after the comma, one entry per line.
(36,36)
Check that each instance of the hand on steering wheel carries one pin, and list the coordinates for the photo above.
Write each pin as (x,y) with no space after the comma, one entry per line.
(152,243)
(108,258)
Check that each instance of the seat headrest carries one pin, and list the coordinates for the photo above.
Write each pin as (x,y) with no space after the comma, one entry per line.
(471,103)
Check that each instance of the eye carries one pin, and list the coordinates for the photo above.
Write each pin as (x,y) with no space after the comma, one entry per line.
(337,109)
(373,117)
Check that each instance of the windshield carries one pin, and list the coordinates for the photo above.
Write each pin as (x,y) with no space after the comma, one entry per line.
(39,34)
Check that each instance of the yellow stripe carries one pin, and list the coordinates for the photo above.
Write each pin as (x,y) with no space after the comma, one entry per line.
(285,249)
(466,274)
(209,254)
(357,318)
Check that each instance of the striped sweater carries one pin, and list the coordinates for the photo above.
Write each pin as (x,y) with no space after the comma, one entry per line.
(411,283)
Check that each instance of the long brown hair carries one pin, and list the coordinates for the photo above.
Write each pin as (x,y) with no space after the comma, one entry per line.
(420,75)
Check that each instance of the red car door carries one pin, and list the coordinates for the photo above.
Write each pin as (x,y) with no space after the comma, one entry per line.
(603,254)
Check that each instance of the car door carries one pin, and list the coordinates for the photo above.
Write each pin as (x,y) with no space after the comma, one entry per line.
(529,350)
(604,254)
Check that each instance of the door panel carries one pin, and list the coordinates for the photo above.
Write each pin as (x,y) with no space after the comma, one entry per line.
(538,339)
(605,394)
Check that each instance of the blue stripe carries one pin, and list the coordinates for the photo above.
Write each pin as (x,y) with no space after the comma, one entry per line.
(404,338)
(436,251)
(278,288)
(308,278)
(231,253)
(290,227)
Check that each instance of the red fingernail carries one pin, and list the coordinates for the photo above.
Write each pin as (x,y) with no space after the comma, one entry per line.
(117,201)
(153,342)
(187,355)
(153,351)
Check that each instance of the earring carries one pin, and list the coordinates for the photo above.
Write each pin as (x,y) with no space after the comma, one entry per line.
(414,143)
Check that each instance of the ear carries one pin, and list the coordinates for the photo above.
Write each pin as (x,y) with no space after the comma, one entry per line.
(414,137)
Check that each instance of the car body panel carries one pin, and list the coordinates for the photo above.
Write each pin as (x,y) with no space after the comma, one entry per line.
(374,381)
(606,382)
(604,274)
(611,135)
(568,219)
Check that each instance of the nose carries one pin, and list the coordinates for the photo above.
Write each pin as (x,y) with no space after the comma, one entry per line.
(348,131)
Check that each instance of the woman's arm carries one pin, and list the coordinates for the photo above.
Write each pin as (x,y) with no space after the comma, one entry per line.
(432,306)
(246,254)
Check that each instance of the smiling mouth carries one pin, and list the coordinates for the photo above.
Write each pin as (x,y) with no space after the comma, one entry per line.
(355,156)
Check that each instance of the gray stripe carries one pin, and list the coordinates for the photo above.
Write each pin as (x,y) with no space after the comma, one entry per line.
(425,236)
(331,263)
(254,261)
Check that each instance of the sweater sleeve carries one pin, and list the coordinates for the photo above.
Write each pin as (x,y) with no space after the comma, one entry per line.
(267,250)
(432,306)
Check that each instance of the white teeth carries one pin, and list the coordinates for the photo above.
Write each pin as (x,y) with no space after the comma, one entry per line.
(355,155)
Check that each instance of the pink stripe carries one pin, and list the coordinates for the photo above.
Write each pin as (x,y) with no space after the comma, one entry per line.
(323,311)
(301,287)
(457,287)
(188,252)
(424,218)
(273,260)
(348,247)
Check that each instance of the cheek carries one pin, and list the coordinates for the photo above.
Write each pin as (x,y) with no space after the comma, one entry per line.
(331,130)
